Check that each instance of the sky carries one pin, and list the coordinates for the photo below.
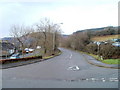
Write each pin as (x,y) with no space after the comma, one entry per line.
(74,14)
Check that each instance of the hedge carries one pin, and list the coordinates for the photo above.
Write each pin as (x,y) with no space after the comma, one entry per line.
(2,61)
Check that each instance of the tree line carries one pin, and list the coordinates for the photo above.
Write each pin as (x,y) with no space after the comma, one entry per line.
(82,41)
(44,34)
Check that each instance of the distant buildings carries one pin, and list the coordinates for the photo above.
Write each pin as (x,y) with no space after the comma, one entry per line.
(6,48)
(114,42)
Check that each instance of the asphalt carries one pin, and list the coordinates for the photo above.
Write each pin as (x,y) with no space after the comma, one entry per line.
(88,58)
(68,70)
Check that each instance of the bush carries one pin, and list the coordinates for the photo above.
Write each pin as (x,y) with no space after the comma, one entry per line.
(117,53)
(92,48)
(109,51)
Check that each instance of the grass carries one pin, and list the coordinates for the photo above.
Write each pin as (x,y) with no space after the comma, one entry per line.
(96,57)
(48,57)
(107,61)
(35,55)
(105,38)
(111,61)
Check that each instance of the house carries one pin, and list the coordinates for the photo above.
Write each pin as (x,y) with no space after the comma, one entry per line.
(6,48)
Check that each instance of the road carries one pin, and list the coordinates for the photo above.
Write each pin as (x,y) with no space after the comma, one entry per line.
(69,70)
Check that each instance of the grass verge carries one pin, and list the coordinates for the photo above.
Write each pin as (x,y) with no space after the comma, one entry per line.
(106,61)
(47,57)
(111,61)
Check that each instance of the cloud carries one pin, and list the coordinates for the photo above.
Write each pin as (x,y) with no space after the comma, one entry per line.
(74,14)
(79,17)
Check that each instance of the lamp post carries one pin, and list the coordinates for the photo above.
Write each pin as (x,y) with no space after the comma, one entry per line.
(54,37)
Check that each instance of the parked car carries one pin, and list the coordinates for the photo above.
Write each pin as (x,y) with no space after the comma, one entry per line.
(117,44)
(15,56)
(118,40)
(28,50)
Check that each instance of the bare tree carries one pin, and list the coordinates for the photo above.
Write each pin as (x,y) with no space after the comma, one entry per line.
(77,41)
(37,39)
(42,27)
(50,34)
(56,36)
(80,40)
(20,33)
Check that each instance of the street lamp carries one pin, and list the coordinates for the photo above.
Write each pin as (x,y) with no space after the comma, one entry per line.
(54,37)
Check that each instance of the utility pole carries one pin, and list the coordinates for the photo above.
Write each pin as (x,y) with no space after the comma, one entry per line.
(54,37)
(53,41)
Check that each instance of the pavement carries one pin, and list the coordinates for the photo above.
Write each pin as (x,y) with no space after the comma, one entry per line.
(93,61)
(68,70)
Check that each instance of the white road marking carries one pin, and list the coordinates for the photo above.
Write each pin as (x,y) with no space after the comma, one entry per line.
(77,67)
(93,79)
(103,80)
(114,79)
(70,55)
(74,68)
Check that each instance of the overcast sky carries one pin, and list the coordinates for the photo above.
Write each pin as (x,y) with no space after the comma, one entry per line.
(74,14)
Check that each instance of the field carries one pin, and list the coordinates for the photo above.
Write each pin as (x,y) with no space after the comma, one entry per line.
(104,38)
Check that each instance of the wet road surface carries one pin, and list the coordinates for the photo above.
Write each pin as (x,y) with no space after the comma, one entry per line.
(69,70)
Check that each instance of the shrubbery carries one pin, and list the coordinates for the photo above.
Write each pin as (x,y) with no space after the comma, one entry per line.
(92,48)
(107,51)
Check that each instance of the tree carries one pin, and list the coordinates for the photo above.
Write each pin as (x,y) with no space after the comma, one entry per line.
(42,28)
(56,35)
(49,33)
(20,33)
(80,40)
